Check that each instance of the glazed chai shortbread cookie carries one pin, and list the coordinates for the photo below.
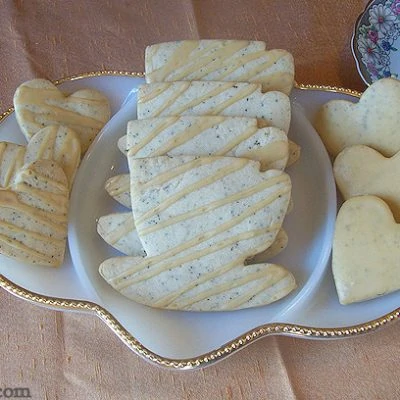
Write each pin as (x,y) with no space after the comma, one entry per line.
(57,143)
(38,103)
(11,161)
(208,135)
(373,121)
(33,214)
(118,187)
(118,230)
(360,170)
(220,60)
(198,98)
(366,250)
(199,219)
(294,153)
(276,247)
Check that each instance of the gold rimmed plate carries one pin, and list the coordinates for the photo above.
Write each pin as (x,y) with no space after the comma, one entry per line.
(189,340)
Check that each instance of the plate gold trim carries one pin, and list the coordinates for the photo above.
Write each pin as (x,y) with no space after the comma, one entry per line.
(325,88)
(228,348)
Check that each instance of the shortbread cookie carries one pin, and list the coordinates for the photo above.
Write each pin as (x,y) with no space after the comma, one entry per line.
(33,215)
(38,103)
(199,219)
(216,135)
(366,250)
(374,121)
(209,135)
(294,153)
(118,187)
(230,287)
(185,189)
(220,60)
(293,148)
(118,230)
(57,143)
(231,99)
(11,161)
(143,139)
(279,245)
(360,170)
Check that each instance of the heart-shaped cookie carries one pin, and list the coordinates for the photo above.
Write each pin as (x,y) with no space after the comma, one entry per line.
(54,142)
(207,135)
(33,215)
(38,103)
(366,250)
(373,121)
(11,161)
(231,99)
(118,187)
(118,230)
(280,243)
(361,170)
(57,143)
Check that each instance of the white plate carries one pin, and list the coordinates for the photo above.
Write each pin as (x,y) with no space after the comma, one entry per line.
(311,311)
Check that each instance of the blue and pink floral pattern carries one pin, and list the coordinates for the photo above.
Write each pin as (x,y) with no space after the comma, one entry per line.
(376,41)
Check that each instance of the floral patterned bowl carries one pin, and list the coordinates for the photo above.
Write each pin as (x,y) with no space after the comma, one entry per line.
(376,40)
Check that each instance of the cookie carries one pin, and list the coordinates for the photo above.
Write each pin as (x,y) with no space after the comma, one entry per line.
(220,60)
(199,219)
(374,121)
(33,215)
(38,103)
(11,161)
(198,98)
(366,250)
(118,187)
(118,230)
(276,247)
(208,135)
(361,170)
(57,143)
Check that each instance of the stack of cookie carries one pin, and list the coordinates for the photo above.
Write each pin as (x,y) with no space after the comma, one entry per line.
(207,188)
(35,179)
